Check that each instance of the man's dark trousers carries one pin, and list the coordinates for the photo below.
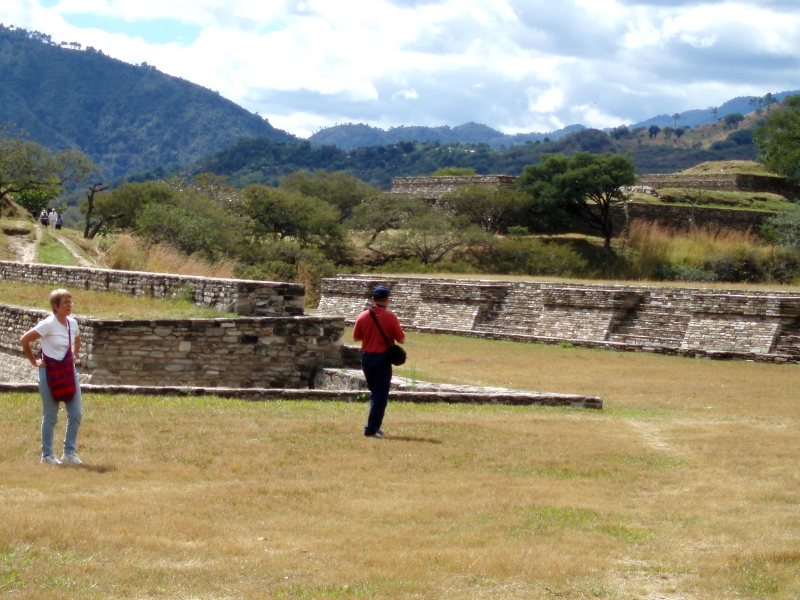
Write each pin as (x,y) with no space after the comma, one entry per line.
(378,371)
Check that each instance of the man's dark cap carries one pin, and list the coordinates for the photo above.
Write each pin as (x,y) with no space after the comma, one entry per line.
(380,292)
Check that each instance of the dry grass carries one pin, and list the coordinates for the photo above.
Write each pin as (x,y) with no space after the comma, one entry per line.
(132,254)
(684,486)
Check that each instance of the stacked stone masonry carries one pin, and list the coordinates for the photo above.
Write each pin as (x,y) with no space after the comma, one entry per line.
(243,297)
(274,345)
(724,182)
(433,189)
(245,352)
(713,323)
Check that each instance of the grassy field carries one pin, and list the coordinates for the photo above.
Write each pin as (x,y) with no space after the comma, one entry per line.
(101,305)
(684,487)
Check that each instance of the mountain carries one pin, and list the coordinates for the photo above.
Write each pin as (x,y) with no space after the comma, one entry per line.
(358,135)
(351,135)
(693,118)
(126,118)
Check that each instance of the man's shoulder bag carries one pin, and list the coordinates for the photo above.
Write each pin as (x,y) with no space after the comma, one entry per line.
(394,353)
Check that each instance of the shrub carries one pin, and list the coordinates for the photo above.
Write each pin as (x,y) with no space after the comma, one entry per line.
(529,256)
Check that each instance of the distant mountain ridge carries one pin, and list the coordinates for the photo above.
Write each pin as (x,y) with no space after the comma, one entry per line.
(693,118)
(126,118)
(350,136)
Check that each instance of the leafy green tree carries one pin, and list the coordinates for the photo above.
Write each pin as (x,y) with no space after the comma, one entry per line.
(192,226)
(338,189)
(120,208)
(493,209)
(279,213)
(383,213)
(778,139)
(620,132)
(35,175)
(430,236)
(584,185)
(653,131)
(732,120)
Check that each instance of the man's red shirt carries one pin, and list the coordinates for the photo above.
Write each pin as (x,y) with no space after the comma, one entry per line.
(371,338)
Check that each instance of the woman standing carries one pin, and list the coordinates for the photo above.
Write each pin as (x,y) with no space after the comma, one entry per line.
(60,341)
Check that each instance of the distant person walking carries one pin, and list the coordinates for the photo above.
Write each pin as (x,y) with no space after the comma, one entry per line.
(43,218)
(52,217)
(60,341)
(376,366)
(59,221)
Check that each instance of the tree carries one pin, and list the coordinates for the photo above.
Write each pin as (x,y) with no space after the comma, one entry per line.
(121,207)
(778,139)
(92,190)
(493,209)
(35,175)
(714,111)
(338,189)
(620,132)
(732,120)
(676,117)
(653,131)
(278,213)
(384,213)
(584,185)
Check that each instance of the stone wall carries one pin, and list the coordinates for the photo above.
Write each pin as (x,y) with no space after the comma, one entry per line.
(683,217)
(433,189)
(724,182)
(280,352)
(244,297)
(695,322)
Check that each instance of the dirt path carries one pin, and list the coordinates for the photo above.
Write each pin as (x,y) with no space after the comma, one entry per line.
(74,251)
(23,247)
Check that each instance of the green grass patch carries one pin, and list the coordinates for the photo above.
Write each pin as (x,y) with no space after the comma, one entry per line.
(53,252)
(104,305)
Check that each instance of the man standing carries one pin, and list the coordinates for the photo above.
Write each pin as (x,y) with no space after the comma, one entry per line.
(376,366)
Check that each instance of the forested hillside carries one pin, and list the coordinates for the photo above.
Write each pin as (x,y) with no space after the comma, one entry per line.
(126,118)
(358,135)
(263,160)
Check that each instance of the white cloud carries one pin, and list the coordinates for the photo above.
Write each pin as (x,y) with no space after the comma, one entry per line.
(517,65)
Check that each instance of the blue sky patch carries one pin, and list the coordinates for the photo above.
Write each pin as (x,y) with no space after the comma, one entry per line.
(154,31)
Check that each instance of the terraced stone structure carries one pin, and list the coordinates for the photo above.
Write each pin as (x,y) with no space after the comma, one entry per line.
(433,189)
(273,345)
(762,326)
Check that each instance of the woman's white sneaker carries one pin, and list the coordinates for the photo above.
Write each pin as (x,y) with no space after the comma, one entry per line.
(71,459)
(50,460)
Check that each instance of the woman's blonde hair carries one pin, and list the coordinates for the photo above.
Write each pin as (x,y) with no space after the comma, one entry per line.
(56,296)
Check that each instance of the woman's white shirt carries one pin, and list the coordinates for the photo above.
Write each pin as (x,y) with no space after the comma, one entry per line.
(55,336)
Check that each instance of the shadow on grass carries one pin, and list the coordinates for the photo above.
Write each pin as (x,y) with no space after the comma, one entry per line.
(93,468)
(404,438)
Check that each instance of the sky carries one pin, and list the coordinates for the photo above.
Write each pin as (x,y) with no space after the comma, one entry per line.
(518,66)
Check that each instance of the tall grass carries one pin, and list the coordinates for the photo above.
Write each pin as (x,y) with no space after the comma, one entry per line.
(129,253)
(657,252)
